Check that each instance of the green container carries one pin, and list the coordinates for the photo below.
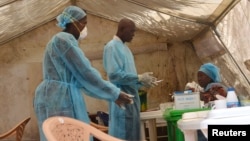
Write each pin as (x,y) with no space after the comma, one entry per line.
(143,100)
(172,116)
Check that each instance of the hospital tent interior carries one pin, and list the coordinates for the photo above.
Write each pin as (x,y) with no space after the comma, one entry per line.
(173,39)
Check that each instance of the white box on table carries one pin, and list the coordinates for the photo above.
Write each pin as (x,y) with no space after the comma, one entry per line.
(186,100)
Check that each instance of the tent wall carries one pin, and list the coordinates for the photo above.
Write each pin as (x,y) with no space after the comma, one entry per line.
(227,46)
(176,63)
(234,33)
(21,71)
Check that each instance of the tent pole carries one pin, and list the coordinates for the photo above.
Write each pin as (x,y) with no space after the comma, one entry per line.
(231,56)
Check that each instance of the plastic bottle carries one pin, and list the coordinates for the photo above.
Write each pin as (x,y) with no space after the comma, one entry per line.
(232,100)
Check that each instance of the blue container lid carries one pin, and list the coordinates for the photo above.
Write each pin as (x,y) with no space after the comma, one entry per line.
(178,92)
(230,89)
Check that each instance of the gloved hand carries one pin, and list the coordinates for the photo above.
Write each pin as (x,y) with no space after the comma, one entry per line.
(123,99)
(147,80)
(195,87)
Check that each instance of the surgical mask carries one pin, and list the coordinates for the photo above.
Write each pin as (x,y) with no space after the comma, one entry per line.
(83,33)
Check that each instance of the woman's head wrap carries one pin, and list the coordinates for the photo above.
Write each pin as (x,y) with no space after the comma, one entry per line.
(70,14)
(212,71)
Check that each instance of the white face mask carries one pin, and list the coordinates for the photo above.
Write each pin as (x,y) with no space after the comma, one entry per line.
(83,33)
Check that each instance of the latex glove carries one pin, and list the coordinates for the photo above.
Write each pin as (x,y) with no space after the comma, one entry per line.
(147,79)
(155,83)
(194,87)
(123,99)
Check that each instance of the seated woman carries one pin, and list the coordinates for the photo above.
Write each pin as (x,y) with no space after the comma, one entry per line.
(209,85)
(209,79)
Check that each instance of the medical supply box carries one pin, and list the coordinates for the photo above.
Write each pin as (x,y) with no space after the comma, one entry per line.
(186,100)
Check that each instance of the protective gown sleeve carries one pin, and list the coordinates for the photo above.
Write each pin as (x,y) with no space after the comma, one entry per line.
(119,65)
(87,77)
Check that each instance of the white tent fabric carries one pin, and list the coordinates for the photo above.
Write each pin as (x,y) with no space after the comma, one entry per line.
(175,20)
(225,43)
(202,31)
(234,33)
(20,16)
